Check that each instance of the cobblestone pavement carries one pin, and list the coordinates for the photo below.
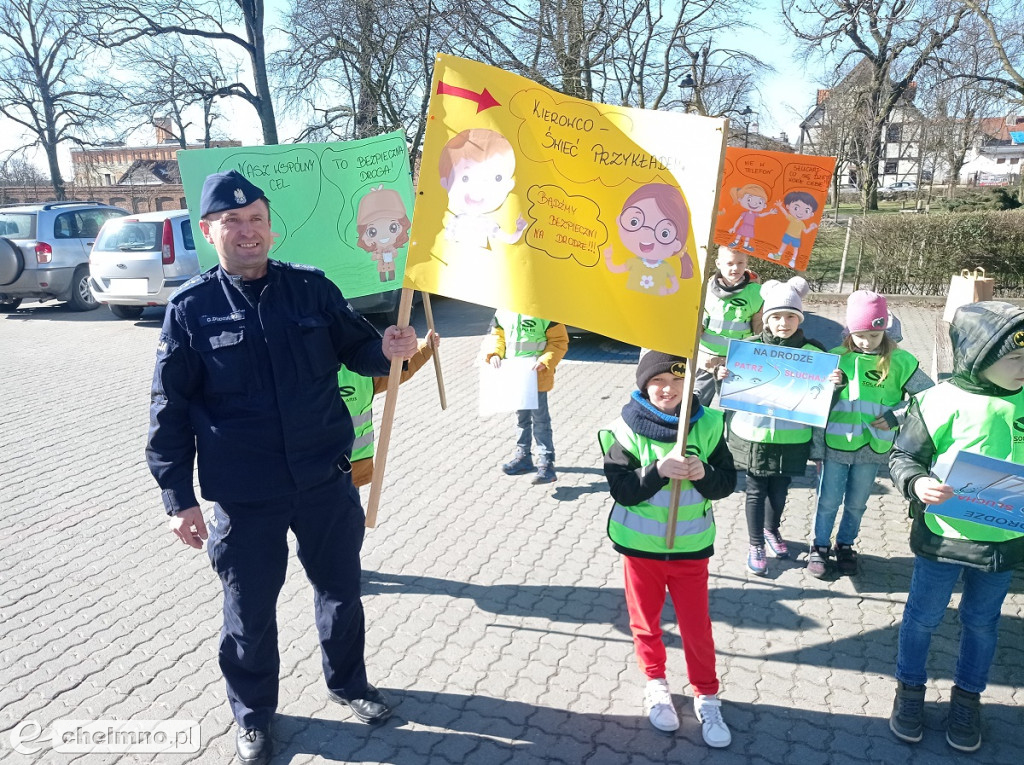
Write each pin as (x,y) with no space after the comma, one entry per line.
(495,609)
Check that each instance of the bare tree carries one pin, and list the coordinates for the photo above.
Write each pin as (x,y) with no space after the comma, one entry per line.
(894,38)
(234,24)
(955,95)
(173,78)
(363,68)
(1003,24)
(671,56)
(43,87)
(18,171)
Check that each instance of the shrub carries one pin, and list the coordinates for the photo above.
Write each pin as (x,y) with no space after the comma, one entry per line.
(917,254)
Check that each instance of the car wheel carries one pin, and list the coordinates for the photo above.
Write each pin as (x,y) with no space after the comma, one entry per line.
(81,296)
(11,262)
(9,306)
(127,311)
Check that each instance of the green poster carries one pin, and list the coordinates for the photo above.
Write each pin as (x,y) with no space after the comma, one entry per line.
(342,207)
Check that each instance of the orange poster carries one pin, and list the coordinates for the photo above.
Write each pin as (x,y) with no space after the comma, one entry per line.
(771,204)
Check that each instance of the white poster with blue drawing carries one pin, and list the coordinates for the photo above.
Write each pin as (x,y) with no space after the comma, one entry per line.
(786,383)
(986,491)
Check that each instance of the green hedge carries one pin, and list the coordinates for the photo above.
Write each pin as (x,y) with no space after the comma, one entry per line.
(917,253)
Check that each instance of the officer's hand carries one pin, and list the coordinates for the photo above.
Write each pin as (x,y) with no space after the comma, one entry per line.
(188,525)
(399,343)
(931,492)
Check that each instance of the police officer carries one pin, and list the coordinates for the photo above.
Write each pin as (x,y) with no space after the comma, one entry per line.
(246,384)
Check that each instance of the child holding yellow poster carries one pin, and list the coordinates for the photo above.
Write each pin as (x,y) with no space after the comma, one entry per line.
(640,459)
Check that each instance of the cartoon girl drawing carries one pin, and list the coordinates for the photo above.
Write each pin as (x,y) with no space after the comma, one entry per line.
(653,225)
(752,198)
(382,226)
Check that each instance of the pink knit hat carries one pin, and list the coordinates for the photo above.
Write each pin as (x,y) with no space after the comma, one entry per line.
(866,311)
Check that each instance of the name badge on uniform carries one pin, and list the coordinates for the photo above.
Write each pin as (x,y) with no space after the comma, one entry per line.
(233,316)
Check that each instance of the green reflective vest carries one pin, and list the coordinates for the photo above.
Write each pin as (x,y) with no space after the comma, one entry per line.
(762,429)
(524,335)
(961,421)
(865,398)
(642,527)
(357,393)
(728,318)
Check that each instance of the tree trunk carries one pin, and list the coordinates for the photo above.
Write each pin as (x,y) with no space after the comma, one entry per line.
(263,103)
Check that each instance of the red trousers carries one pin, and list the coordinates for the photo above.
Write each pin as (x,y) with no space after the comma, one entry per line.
(687,582)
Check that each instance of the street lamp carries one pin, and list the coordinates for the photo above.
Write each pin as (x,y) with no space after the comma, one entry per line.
(746,128)
(686,83)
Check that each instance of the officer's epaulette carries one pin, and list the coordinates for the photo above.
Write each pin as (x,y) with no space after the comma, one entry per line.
(197,279)
(302,267)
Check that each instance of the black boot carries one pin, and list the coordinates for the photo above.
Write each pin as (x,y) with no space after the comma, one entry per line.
(253,746)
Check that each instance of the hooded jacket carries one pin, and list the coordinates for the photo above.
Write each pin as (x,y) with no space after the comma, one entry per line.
(977,330)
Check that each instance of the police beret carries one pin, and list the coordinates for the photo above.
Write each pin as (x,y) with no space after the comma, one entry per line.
(227,191)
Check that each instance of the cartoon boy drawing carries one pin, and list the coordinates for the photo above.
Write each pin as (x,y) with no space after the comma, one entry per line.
(752,198)
(382,226)
(653,225)
(797,206)
(477,168)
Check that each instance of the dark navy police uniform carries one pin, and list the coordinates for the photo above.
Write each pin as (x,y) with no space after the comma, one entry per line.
(249,385)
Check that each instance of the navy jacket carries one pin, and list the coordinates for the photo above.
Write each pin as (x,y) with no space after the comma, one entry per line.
(253,391)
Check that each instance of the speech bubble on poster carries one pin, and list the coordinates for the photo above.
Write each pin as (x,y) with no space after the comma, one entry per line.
(565,225)
(806,176)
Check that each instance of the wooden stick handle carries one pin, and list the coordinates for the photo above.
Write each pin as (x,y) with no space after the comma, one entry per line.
(437,351)
(380,457)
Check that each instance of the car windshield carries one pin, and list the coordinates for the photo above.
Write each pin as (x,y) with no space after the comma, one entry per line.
(130,236)
(17,225)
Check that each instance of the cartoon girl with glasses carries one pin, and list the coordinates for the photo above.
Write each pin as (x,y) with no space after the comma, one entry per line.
(653,225)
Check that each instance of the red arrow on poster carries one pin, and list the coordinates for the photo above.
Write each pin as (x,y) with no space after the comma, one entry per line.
(484,100)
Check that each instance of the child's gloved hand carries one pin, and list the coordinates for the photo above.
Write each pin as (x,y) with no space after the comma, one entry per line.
(930,491)
(495,362)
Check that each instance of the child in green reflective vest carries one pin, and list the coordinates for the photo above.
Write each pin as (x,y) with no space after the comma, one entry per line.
(878,378)
(770,449)
(357,392)
(980,409)
(732,310)
(640,458)
(515,334)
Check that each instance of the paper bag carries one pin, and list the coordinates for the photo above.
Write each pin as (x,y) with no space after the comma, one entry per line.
(965,288)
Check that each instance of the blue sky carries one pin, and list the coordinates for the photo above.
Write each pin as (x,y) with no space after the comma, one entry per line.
(787,95)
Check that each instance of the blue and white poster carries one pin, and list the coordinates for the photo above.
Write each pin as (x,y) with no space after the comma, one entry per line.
(786,383)
(986,491)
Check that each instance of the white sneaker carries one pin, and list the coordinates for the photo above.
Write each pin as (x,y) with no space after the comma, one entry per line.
(659,707)
(709,711)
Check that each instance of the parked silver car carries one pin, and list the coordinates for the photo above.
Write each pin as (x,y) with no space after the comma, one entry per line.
(44,251)
(139,260)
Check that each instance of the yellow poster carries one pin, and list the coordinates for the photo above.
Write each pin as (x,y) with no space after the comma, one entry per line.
(592,215)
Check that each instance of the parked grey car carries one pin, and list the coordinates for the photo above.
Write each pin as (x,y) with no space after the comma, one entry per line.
(44,251)
(139,260)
